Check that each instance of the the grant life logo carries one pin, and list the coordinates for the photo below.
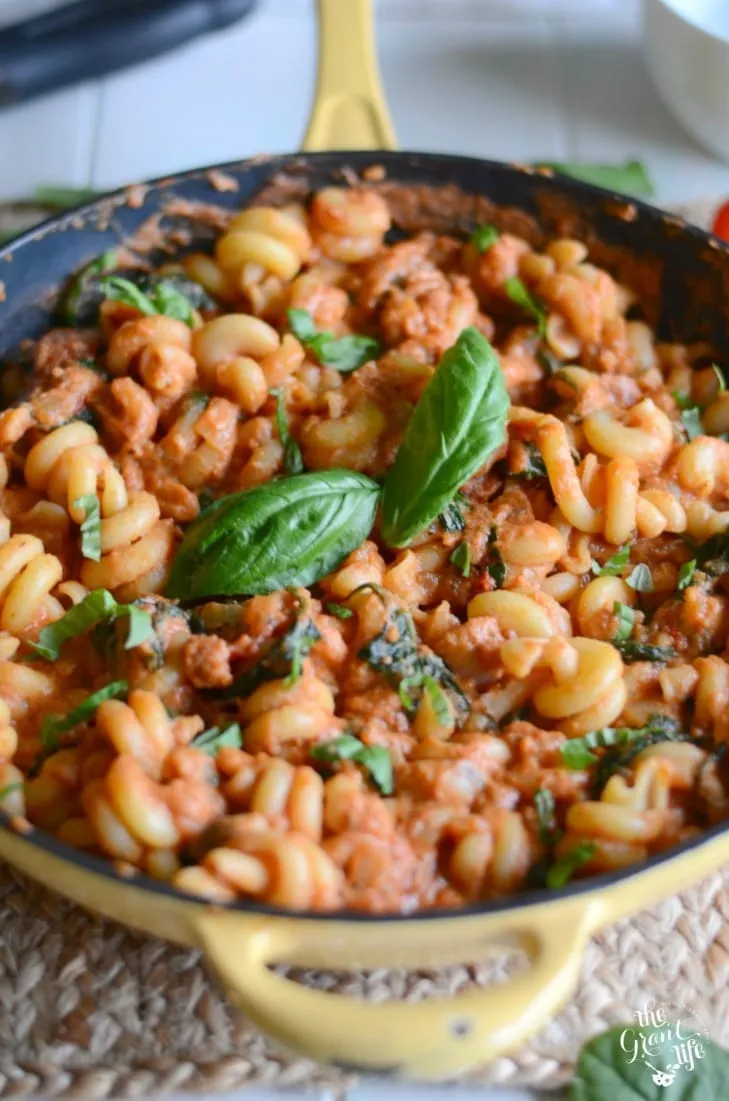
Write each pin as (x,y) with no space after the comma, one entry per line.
(668,1040)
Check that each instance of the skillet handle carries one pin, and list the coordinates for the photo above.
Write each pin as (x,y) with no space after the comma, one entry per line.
(349,111)
(425,1040)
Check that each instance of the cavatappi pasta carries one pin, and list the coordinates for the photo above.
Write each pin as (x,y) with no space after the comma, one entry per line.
(533,687)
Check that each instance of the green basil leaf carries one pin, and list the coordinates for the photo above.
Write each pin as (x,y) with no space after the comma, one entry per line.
(458,423)
(451,518)
(630,178)
(288,532)
(438,700)
(577,752)
(119,289)
(640,579)
(659,728)
(96,606)
(686,575)
(283,659)
(340,611)
(170,301)
(626,617)
(614,565)
(210,741)
(713,555)
(642,651)
(90,526)
(461,558)
(684,401)
(374,759)
(293,462)
(495,565)
(483,237)
(560,873)
(533,463)
(544,805)
(195,294)
(648,1062)
(54,726)
(520,296)
(80,302)
(691,420)
(719,376)
(10,788)
(344,354)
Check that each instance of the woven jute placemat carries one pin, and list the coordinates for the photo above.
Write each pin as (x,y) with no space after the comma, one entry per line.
(91,1010)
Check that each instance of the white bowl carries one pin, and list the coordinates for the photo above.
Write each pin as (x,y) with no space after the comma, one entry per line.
(687,51)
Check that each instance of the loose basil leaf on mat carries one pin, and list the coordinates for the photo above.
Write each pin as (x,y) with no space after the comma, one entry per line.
(80,302)
(483,237)
(96,606)
(90,526)
(283,659)
(210,741)
(344,354)
(293,462)
(635,1062)
(54,726)
(374,759)
(291,531)
(640,579)
(161,298)
(560,873)
(458,423)
(520,296)
(632,650)
(630,178)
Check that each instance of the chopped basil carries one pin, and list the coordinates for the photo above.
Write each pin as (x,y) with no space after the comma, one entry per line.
(293,462)
(630,178)
(713,555)
(684,401)
(659,728)
(395,653)
(344,354)
(483,237)
(90,526)
(458,423)
(340,611)
(283,659)
(438,700)
(374,759)
(10,788)
(577,752)
(213,739)
(719,376)
(96,606)
(80,302)
(521,297)
(534,463)
(640,579)
(686,574)
(545,808)
(54,726)
(452,518)
(614,565)
(461,558)
(290,531)
(560,873)
(162,297)
(632,650)
(626,617)
(189,289)
(495,565)
(691,420)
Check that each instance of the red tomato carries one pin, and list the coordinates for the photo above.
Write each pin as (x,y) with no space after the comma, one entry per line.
(721,222)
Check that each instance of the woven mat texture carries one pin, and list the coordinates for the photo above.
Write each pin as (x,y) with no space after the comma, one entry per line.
(90,1010)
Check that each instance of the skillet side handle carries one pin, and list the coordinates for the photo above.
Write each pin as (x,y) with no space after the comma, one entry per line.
(425,1040)
(349,111)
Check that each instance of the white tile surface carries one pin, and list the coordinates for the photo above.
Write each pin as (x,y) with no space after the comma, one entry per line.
(520,79)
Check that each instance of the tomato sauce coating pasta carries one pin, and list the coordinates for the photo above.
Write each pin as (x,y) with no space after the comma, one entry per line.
(536,687)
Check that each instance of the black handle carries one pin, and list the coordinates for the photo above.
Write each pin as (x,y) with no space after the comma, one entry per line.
(91,38)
